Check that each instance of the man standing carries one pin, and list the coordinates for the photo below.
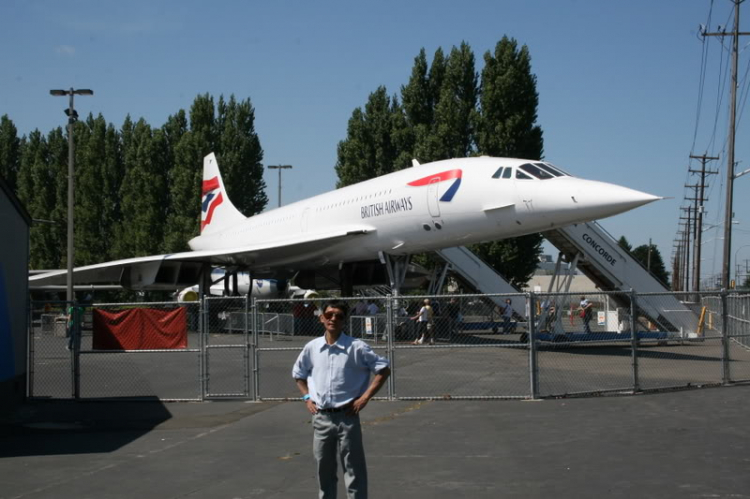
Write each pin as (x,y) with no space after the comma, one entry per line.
(508,326)
(333,375)
(586,308)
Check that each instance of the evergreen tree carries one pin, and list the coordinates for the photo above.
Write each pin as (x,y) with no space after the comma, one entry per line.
(142,194)
(657,267)
(416,95)
(36,189)
(452,134)
(10,152)
(624,244)
(113,172)
(369,150)
(57,162)
(183,214)
(240,156)
(441,117)
(423,141)
(506,127)
(98,179)
(509,100)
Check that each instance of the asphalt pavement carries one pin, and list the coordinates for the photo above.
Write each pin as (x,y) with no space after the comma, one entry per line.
(682,444)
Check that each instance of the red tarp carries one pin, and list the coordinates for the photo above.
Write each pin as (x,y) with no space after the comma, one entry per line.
(140,329)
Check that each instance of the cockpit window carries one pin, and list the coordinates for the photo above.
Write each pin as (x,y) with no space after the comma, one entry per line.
(521,175)
(503,172)
(535,171)
(557,168)
(549,169)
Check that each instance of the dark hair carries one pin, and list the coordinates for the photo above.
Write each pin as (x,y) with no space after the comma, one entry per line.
(339,304)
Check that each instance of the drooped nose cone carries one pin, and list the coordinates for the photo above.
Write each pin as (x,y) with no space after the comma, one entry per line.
(600,199)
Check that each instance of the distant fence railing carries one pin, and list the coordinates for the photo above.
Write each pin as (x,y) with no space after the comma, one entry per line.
(513,346)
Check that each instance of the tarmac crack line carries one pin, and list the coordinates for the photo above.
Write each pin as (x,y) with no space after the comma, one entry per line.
(393,415)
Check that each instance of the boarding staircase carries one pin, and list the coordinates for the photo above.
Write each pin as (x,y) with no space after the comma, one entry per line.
(601,259)
(478,275)
(613,268)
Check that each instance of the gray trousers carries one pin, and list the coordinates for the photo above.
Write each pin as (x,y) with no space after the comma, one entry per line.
(339,434)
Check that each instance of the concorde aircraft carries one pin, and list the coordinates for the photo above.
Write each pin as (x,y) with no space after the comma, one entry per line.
(426,207)
(262,289)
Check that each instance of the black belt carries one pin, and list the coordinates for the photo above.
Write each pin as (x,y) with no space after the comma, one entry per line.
(337,409)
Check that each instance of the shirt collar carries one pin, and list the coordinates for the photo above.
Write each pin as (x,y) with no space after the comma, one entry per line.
(341,343)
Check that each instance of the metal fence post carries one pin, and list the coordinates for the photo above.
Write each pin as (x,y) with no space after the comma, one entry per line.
(202,346)
(390,332)
(634,341)
(533,366)
(30,351)
(75,332)
(254,349)
(248,345)
(725,375)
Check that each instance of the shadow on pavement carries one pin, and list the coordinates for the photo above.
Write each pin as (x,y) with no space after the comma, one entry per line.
(57,427)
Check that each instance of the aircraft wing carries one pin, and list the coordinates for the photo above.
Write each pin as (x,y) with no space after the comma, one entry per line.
(177,270)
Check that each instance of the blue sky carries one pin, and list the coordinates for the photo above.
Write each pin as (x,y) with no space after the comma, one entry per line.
(618,81)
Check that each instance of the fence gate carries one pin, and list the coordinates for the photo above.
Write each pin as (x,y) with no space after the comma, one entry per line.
(227,344)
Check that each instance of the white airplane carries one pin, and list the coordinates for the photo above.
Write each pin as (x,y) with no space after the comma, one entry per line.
(426,207)
(223,284)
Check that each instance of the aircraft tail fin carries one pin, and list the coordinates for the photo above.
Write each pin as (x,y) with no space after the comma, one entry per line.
(217,211)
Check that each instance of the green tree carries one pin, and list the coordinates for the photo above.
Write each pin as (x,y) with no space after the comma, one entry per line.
(624,244)
(509,100)
(369,149)
(57,162)
(184,185)
(36,189)
(453,128)
(445,114)
(98,180)
(423,139)
(142,194)
(656,266)
(10,151)
(506,127)
(240,155)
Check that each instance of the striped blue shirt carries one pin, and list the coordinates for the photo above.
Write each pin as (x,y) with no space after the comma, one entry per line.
(339,373)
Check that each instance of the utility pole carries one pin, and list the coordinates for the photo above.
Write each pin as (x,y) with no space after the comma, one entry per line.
(699,215)
(279,167)
(694,209)
(728,215)
(687,231)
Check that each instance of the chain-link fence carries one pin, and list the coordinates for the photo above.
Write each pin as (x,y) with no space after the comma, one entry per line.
(440,347)
(50,356)
(133,350)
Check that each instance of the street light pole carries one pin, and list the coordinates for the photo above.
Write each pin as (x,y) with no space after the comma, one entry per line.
(279,167)
(72,118)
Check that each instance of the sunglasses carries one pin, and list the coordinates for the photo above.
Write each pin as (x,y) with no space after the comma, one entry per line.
(331,315)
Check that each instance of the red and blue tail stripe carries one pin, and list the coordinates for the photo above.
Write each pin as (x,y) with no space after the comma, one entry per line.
(211,199)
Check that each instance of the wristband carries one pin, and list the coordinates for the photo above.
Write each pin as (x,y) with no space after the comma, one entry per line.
(306,397)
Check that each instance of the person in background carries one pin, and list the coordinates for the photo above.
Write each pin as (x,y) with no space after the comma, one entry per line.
(453,312)
(372,309)
(507,312)
(424,323)
(586,312)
